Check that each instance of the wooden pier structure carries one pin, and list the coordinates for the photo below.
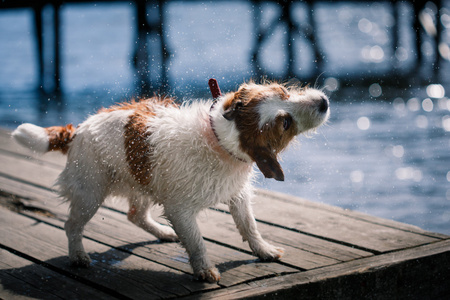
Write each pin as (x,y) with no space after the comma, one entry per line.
(150,19)
(330,253)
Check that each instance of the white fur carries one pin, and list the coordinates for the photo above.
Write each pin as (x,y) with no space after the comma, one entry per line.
(188,173)
(299,106)
(32,136)
(227,133)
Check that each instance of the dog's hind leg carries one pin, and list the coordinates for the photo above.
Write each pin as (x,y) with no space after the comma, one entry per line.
(139,215)
(81,211)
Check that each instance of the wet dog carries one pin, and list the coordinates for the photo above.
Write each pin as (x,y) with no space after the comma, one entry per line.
(185,157)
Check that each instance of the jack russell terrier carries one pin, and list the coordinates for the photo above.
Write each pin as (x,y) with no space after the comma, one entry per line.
(185,157)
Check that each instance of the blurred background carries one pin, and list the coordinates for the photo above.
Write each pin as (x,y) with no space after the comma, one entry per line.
(384,65)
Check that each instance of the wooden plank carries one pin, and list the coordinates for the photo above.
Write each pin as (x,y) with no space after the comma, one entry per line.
(336,227)
(114,229)
(32,171)
(421,272)
(21,278)
(346,212)
(118,272)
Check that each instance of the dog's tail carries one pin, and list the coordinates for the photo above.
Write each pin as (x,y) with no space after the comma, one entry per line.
(42,139)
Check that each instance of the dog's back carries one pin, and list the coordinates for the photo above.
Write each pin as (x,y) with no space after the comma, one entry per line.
(152,147)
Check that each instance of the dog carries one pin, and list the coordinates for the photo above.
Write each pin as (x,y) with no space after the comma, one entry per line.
(184,157)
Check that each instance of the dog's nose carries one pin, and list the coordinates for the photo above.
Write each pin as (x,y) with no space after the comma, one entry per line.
(323,106)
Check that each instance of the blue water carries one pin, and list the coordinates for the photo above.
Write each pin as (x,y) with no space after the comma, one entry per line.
(384,152)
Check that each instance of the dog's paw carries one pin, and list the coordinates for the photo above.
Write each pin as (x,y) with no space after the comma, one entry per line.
(169,238)
(210,275)
(268,252)
(80,260)
(168,235)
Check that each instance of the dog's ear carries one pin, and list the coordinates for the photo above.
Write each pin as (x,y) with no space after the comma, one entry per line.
(231,113)
(267,163)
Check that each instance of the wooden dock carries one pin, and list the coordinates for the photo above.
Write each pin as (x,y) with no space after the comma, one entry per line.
(330,253)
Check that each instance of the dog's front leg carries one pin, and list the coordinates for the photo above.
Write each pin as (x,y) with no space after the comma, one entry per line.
(245,221)
(185,225)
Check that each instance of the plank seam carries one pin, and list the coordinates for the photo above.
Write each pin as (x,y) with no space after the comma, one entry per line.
(27,182)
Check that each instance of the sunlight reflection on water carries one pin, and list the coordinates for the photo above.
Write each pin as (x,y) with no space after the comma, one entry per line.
(394,163)
(435,91)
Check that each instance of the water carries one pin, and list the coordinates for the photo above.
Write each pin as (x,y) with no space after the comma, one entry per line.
(384,151)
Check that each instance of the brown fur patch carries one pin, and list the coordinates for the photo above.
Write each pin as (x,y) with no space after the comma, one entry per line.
(59,137)
(261,144)
(136,135)
(273,135)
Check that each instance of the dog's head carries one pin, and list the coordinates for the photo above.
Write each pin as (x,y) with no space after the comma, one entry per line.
(269,116)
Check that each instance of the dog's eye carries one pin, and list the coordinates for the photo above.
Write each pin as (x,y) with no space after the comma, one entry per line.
(287,122)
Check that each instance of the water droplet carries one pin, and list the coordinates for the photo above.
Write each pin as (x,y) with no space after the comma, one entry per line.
(399,104)
(446,123)
(363,123)
(401,54)
(444,104)
(375,90)
(408,173)
(444,50)
(435,91)
(427,105)
(398,151)
(413,104)
(365,25)
(357,176)
(331,84)
(376,53)
(422,121)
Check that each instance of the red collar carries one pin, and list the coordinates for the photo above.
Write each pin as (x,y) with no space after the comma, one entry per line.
(211,123)
(216,93)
